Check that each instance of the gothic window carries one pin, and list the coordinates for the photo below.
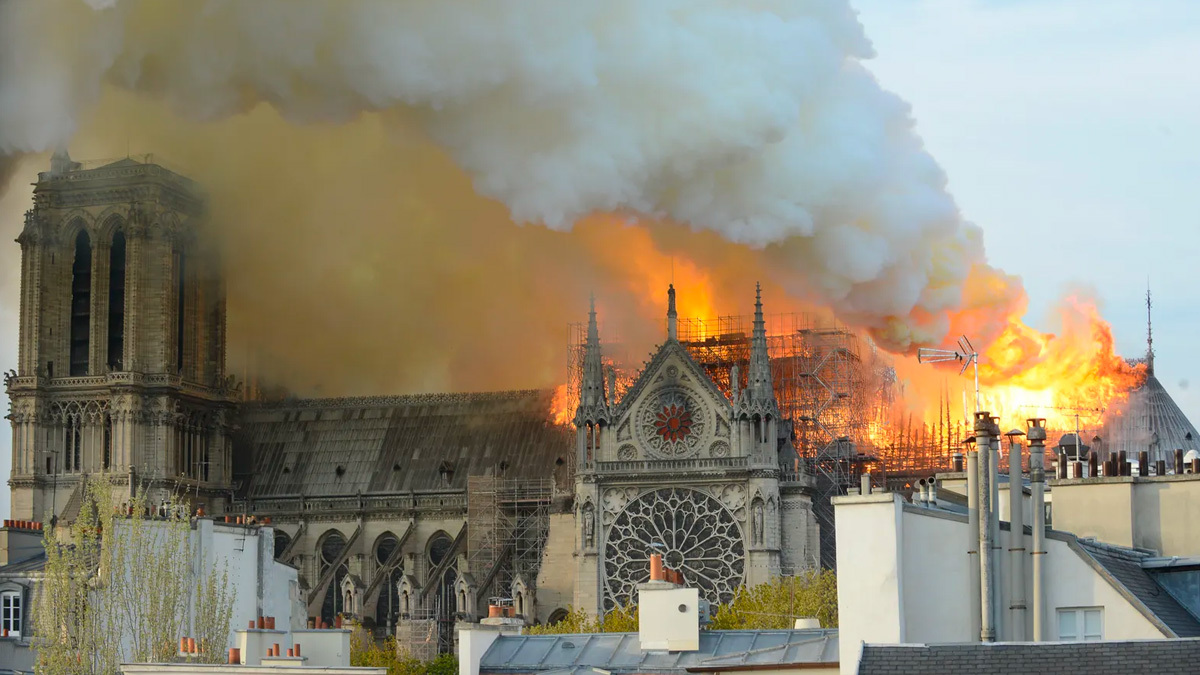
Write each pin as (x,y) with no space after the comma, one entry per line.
(387,608)
(73,443)
(116,303)
(329,552)
(282,540)
(385,546)
(694,532)
(81,304)
(673,423)
(439,547)
(107,442)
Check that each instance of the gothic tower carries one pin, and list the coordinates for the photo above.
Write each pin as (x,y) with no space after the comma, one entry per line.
(121,359)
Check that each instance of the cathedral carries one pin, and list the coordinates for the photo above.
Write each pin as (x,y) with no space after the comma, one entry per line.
(409,512)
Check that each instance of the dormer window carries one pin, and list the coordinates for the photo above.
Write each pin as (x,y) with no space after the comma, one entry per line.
(10,614)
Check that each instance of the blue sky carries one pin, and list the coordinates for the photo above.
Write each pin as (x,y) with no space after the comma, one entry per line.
(1068,130)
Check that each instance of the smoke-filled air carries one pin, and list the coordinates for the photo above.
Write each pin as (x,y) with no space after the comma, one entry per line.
(420,194)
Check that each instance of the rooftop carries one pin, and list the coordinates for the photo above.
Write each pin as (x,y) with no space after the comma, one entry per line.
(622,653)
(431,442)
(1162,657)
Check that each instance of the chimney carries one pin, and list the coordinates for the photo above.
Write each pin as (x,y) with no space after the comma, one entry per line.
(987,585)
(1036,433)
(668,615)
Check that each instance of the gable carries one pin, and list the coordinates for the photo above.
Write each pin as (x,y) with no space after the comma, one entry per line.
(673,411)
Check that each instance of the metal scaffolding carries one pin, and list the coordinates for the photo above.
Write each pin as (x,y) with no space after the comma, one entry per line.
(508,521)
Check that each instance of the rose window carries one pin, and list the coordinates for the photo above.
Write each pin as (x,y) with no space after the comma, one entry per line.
(693,531)
(672,423)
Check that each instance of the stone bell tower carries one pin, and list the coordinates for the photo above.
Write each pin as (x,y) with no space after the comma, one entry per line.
(121,362)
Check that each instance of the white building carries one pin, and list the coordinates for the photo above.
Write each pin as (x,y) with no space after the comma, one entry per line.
(909,572)
(260,585)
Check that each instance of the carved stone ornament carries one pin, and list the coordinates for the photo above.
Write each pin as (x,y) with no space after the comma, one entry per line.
(673,423)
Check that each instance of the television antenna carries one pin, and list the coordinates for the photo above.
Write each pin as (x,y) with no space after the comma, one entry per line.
(965,354)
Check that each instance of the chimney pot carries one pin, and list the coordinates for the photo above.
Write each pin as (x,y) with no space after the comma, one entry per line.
(275,649)
(656,567)
(191,645)
(235,656)
(296,649)
(291,652)
(183,645)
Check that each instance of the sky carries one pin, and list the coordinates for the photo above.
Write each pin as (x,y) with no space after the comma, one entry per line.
(1068,130)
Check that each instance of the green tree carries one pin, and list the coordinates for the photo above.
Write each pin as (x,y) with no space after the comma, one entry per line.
(779,602)
(775,604)
(366,652)
(117,587)
(622,619)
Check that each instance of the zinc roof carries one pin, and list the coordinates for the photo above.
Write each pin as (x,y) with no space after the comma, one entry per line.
(346,446)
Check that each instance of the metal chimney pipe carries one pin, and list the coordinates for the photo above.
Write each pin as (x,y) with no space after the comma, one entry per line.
(865,483)
(1016,537)
(973,536)
(1178,461)
(957,463)
(997,550)
(983,441)
(1143,463)
(1036,433)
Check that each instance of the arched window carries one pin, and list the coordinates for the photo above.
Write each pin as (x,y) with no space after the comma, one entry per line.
(282,540)
(81,304)
(116,303)
(387,607)
(73,443)
(439,546)
(330,550)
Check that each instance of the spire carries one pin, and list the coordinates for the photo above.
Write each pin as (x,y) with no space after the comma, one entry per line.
(672,316)
(1149,335)
(591,389)
(759,378)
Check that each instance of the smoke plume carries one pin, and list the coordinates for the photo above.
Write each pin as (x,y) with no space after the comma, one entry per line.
(347,145)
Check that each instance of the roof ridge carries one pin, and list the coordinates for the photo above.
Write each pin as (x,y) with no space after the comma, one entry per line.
(399,399)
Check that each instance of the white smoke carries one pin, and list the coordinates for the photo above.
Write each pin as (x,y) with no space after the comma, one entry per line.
(752,118)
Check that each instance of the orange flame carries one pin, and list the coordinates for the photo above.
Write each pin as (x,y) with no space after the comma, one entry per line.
(560,406)
(1025,373)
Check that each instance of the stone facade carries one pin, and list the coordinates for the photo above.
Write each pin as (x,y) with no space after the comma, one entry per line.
(122,339)
(676,466)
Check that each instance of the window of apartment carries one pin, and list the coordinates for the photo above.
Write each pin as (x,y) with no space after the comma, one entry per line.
(1081,623)
(10,613)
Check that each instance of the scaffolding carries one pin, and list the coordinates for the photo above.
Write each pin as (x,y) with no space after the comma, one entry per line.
(508,521)
(830,384)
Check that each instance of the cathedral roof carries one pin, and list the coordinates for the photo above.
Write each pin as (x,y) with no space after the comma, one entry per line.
(346,446)
(1149,420)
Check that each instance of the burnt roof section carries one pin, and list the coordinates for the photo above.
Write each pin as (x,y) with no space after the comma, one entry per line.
(1125,565)
(1149,420)
(1161,657)
(430,442)
(720,650)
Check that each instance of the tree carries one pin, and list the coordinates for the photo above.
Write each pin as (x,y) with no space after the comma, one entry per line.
(621,619)
(119,586)
(364,651)
(780,601)
(775,604)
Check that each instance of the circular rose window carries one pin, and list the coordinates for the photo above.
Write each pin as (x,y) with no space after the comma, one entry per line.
(694,533)
(672,423)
